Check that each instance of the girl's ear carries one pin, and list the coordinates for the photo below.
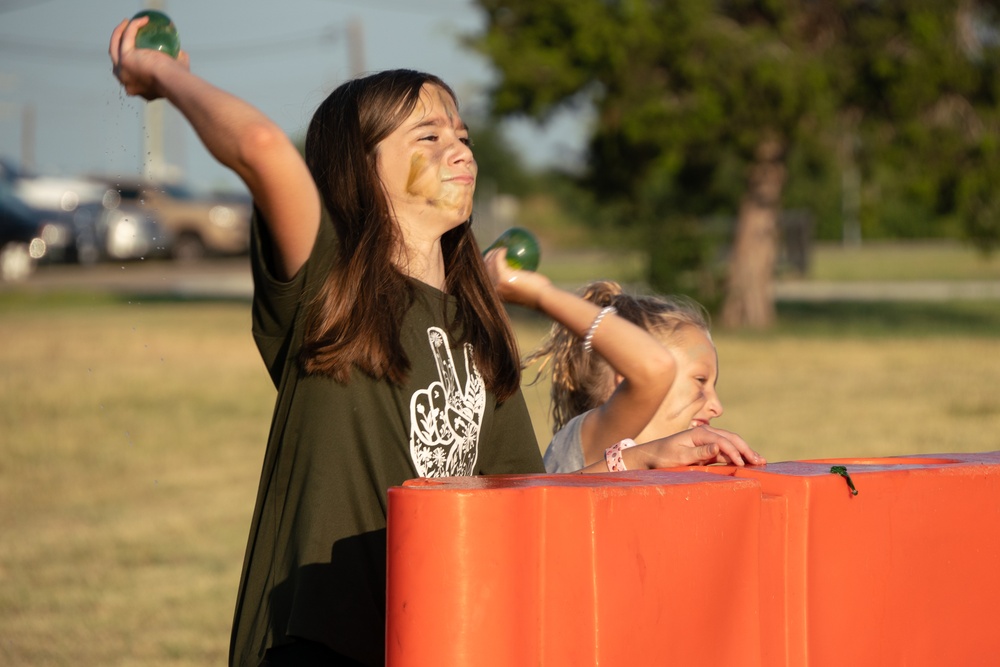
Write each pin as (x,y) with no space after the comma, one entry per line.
(619,378)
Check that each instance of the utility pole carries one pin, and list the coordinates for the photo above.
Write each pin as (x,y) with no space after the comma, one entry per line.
(28,133)
(355,47)
(27,114)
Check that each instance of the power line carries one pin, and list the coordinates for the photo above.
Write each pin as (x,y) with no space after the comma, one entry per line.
(14,5)
(64,52)
(409,7)
(59,51)
(85,54)
(329,35)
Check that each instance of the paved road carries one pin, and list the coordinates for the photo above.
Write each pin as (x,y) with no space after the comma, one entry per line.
(217,278)
(230,278)
(919,290)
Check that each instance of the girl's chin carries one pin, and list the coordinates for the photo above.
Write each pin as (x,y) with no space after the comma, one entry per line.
(459,216)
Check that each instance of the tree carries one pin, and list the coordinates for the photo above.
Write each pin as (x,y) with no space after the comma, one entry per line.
(702,106)
(697,103)
(921,77)
(498,161)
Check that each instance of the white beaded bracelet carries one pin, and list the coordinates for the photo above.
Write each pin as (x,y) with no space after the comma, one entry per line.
(613,455)
(588,340)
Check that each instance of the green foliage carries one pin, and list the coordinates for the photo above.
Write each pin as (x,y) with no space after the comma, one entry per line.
(684,93)
(902,92)
(815,184)
(684,257)
(924,74)
(498,162)
(978,199)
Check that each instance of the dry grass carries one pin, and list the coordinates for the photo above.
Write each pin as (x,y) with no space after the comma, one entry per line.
(131,444)
(797,399)
(903,260)
(131,437)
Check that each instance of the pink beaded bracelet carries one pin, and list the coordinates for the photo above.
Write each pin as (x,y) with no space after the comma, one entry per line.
(613,455)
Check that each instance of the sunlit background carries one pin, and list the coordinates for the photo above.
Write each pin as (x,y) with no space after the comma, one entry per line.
(62,112)
(134,408)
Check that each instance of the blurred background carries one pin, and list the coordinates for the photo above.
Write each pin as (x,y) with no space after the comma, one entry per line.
(67,131)
(820,175)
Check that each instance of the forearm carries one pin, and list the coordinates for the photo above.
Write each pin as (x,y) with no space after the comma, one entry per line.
(237,134)
(633,352)
(697,446)
(634,458)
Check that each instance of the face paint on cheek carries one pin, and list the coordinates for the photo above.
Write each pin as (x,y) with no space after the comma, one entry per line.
(457,197)
(418,170)
(420,182)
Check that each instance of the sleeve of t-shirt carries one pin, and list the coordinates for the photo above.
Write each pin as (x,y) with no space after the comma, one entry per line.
(277,303)
(513,447)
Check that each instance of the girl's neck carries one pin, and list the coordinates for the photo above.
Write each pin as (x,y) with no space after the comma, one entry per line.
(423,262)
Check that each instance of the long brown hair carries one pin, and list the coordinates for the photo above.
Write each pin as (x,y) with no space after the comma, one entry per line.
(356,318)
(582,380)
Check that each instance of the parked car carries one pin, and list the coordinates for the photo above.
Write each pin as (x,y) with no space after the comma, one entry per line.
(199,225)
(79,225)
(119,231)
(54,193)
(23,234)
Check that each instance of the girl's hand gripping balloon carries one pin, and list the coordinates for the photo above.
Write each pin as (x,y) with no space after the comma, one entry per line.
(160,34)
(522,248)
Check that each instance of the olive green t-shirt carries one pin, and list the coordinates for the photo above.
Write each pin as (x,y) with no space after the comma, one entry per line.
(315,564)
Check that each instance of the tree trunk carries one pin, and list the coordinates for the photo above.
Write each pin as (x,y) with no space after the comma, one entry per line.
(749,300)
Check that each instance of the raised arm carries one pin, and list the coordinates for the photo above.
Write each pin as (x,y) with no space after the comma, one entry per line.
(237,135)
(646,366)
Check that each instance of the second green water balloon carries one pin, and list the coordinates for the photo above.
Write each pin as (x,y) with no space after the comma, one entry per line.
(522,248)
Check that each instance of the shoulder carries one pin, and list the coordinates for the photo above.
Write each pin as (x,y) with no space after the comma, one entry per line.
(565,451)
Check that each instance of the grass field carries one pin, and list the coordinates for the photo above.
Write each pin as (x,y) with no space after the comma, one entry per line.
(914,260)
(132,433)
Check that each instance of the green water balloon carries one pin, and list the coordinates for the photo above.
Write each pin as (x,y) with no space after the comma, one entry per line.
(160,34)
(522,248)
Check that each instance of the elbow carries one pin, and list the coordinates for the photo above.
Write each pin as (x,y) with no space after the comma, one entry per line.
(659,369)
(260,143)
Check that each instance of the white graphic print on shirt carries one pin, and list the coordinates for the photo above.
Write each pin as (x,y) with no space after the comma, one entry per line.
(445,418)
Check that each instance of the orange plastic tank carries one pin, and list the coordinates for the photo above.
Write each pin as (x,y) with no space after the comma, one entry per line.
(574,570)
(778,566)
